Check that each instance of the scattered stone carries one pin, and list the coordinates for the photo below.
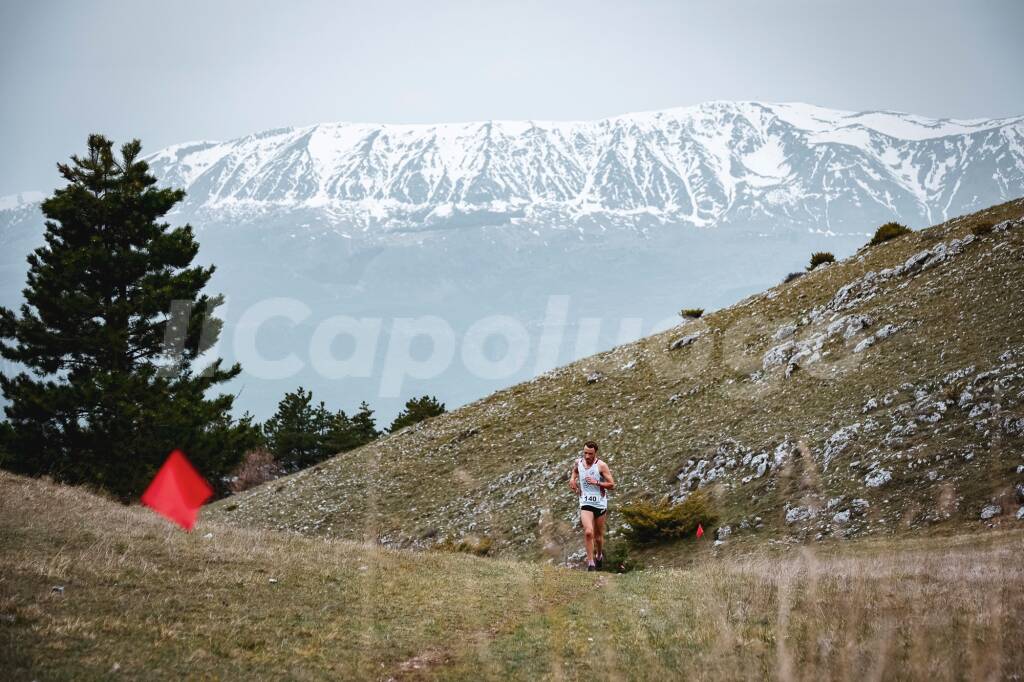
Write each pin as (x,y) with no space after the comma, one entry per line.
(1020,514)
(886,331)
(784,332)
(878,478)
(871,404)
(799,514)
(841,518)
(57,589)
(594,377)
(864,345)
(272,581)
(779,354)
(684,341)
(991,511)
(723,533)
(838,442)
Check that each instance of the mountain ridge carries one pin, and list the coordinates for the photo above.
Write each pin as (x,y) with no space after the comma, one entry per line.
(693,165)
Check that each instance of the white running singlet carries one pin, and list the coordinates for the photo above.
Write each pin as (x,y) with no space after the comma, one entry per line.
(591,495)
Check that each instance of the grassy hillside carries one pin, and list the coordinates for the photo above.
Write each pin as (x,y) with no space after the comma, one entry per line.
(90,589)
(877,395)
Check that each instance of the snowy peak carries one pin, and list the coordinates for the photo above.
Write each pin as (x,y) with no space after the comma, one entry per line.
(702,165)
(16,201)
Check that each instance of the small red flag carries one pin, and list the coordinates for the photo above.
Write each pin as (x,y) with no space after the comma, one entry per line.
(700,530)
(177,491)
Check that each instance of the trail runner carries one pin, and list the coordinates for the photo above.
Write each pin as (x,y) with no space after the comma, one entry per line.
(591,480)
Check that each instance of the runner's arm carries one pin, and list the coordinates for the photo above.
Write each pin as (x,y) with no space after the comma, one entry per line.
(608,483)
(573,484)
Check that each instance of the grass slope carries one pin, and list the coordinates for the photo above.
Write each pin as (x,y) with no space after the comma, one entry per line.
(143,600)
(864,433)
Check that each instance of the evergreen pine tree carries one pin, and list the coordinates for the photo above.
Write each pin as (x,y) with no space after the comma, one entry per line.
(296,432)
(347,433)
(365,424)
(416,410)
(105,399)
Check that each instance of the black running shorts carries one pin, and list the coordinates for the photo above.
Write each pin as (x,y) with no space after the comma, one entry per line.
(597,512)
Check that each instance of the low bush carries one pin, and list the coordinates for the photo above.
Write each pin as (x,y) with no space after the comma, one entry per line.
(819,257)
(618,560)
(662,521)
(257,467)
(791,276)
(887,232)
(692,313)
(478,546)
(981,229)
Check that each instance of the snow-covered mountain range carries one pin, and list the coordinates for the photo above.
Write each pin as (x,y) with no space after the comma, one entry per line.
(788,164)
(616,223)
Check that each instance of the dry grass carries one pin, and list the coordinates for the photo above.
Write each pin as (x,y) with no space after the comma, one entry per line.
(149,601)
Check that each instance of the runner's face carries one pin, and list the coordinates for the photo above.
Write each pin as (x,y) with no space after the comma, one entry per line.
(589,454)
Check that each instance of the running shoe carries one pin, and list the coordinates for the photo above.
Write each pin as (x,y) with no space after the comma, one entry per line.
(599,561)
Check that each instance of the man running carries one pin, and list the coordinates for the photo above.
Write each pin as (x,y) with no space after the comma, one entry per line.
(592,480)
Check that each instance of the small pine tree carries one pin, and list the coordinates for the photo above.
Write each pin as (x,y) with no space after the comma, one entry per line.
(347,433)
(691,313)
(416,410)
(106,400)
(297,431)
(887,232)
(820,257)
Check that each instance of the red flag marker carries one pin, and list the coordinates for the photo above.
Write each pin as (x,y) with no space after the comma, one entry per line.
(177,491)
(700,530)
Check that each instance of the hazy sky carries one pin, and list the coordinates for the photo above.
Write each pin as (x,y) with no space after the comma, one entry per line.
(168,72)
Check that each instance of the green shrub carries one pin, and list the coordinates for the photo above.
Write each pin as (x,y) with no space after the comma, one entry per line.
(981,229)
(819,257)
(653,522)
(617,559)
(478,546)
(791,276)
(692,313)
(887,232)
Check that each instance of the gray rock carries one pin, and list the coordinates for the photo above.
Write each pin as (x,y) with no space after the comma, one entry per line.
(991,511)
(1020,514)
(784,332)
(799,514)
(841,518)
(886,331)
(723,532)
(864,345)
(779,354)
(683,341)
(594,377)
(838,442)
(878,478)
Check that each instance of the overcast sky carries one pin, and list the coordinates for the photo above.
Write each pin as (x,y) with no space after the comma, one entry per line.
(168,72)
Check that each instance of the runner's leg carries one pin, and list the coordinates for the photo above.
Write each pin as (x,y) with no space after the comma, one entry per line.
(599,535)
(587,521)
